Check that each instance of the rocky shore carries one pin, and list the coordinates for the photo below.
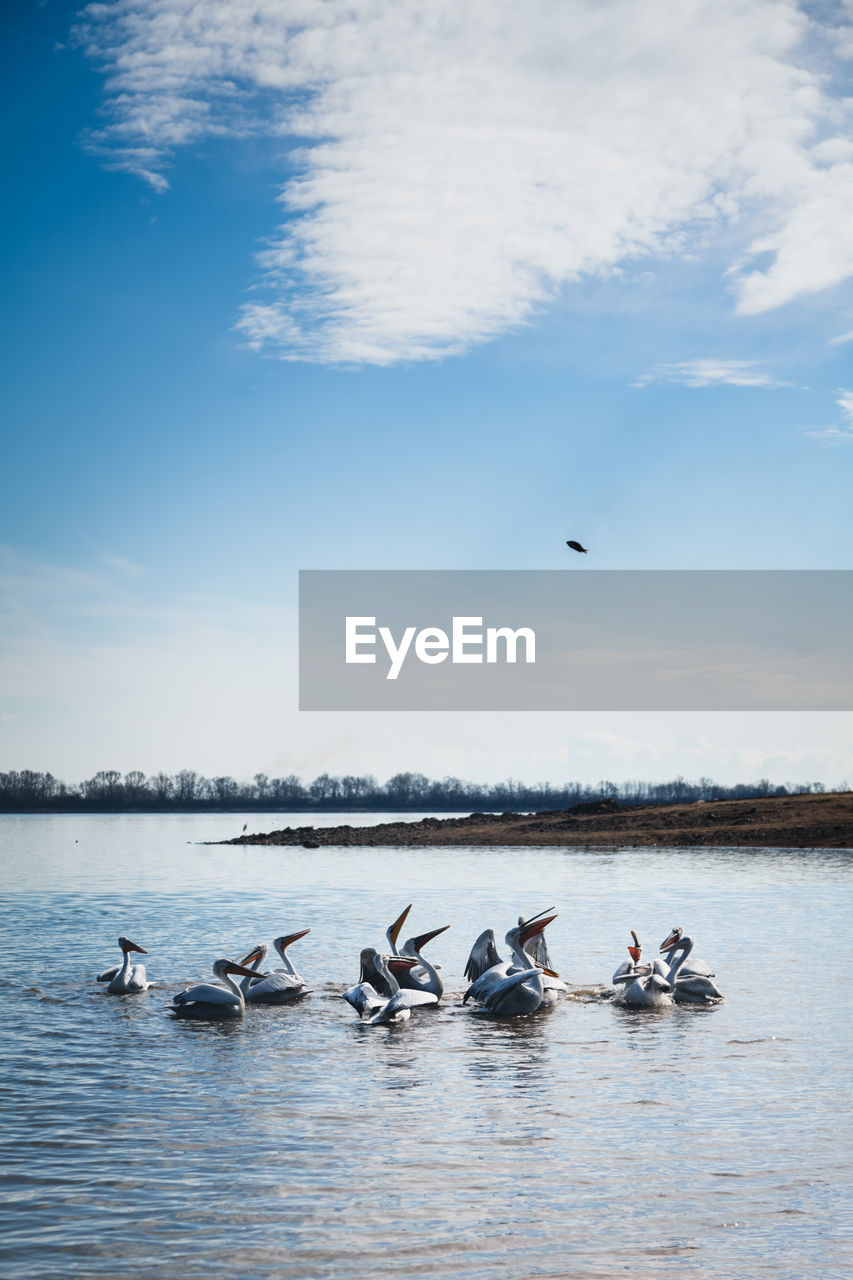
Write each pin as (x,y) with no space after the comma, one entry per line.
(790,822)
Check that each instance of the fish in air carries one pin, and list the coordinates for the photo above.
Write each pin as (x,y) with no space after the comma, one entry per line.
(576,546)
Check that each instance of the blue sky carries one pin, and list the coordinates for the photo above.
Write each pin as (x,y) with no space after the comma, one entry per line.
(352,286)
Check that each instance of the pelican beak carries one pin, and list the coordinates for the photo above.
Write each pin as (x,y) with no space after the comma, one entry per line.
(254,957)
(401,962)
(131,946)
(530,919)
(394,930)
(532,927)
(292,937)
(552,973)
(423,938)
(635,953)
(670,941)
(233,967)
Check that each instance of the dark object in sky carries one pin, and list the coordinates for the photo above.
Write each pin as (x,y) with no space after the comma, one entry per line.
(576,546)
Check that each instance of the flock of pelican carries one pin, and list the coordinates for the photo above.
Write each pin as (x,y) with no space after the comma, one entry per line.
(394,982)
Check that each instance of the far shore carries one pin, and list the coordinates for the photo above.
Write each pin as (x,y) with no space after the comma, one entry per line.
(788,822)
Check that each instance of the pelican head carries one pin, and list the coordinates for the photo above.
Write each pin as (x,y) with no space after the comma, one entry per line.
(367,961)
(256,956)
(126,945)
(282,943)
(522,933)
(672,939)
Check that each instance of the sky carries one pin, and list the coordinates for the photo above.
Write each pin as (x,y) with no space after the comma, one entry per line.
(298,284)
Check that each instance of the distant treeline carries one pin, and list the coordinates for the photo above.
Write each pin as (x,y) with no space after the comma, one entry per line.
(111,792)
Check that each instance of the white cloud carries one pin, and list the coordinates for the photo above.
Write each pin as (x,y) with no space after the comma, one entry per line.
(463,159)
(841,339)
(711,373)
(836,434)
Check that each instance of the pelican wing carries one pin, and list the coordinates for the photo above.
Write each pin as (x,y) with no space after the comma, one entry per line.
(277,986)
(108,974)
(364,998)
(137,981)
(206,993)
(484,956)
(481,991)
(696,990)
(412,998)
(511,996)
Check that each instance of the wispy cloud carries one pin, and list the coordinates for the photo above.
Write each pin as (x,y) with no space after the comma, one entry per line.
(129,568)
(841,339)
(838,434)
(461,161)
(711,373)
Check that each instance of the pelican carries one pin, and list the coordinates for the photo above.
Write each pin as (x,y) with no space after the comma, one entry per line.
(283,984)
(424,976)
(208,1001)
(525,994)
(398,1008)
(628,966)
(691,986)
(644,988)
(126,978)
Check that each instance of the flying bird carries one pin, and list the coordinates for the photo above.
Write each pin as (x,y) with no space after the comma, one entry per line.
(576,546)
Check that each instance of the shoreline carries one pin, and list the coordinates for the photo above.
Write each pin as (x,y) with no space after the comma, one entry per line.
(788,822)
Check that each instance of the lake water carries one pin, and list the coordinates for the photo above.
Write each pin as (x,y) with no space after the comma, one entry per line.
(587,1141)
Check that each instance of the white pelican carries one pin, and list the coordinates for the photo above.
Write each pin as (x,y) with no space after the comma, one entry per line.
(126,978)
(424,976)
(398,1008)
(644,988)
(689,986)
(283,984)
(487,980)
(208,1001)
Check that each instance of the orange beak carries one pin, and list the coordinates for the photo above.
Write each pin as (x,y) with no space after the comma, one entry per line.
(423,938)
(292,937)
(233,967)
(533,927)
(394,931)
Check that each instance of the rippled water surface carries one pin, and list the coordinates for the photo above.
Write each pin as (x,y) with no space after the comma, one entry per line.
(587,1141)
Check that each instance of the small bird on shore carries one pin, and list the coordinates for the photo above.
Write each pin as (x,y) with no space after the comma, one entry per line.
(576,546)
